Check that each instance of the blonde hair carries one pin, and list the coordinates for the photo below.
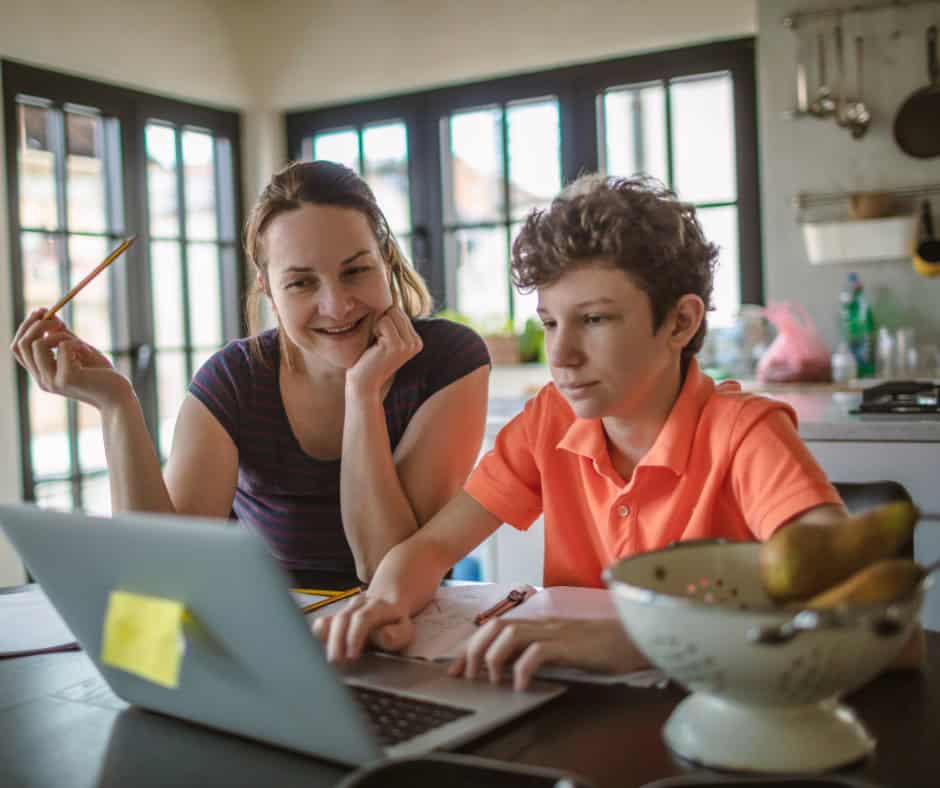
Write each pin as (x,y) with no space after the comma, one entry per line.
(325,183)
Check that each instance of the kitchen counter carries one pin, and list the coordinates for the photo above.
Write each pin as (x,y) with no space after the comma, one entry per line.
(822,409)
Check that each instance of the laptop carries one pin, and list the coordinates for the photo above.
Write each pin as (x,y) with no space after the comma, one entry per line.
(251,665)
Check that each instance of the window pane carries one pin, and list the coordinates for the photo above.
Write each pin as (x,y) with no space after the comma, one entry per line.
(199,183)
(42,284)
(205,300)
(534,155)
(338,146)
(482,276)
(703,139)
(476,167)
(84,163)
(171,388)
(49,440)
(90,310)
(167,286)
(96,495)
(36,163)
(721,228)
(386,169)
(90,439)
(201,355)
(635,131)
(161,181)
(524,304)
(54,495)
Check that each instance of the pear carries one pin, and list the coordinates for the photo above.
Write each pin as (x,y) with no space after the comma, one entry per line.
(801,560)
(882,581)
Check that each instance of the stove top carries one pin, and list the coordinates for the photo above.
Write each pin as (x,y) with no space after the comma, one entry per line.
(901,396)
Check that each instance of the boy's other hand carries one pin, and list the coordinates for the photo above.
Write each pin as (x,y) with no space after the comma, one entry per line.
(601,646)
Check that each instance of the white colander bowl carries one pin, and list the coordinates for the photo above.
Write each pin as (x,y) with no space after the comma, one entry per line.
(765,680)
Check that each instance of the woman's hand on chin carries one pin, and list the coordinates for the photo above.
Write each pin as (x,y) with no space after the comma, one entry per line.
(396,342)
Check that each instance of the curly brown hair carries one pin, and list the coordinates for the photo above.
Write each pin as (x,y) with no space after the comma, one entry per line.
(638,225)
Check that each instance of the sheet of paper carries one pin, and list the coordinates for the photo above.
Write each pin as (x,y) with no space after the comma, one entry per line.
(29,624)
(643,679)
(567,602)
(144,636)
(448,620)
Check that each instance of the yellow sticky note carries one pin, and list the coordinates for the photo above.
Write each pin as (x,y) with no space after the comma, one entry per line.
(144,636)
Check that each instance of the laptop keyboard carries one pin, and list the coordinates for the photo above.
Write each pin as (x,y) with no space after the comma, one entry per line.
(396,719)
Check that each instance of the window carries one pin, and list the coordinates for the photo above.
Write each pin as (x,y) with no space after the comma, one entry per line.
(480,156)
(499,163)
(89,164)
(378,152)
(682,132)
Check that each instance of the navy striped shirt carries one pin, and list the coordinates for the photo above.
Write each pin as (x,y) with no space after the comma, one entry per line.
(289,497)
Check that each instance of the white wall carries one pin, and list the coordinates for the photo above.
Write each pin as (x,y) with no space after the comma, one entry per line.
(180,48)
(812,155)
(307,54)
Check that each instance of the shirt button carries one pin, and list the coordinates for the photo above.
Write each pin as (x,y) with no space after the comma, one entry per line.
(623,510)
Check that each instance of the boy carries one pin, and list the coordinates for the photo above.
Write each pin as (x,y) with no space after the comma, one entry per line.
(631,448)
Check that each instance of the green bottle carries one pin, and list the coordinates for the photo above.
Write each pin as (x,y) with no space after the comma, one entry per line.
(858,325)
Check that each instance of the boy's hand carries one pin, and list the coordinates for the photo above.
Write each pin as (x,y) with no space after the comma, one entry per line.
(363,621)
(601,646)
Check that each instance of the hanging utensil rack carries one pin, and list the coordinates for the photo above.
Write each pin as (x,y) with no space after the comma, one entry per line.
(796,18)
(807,200)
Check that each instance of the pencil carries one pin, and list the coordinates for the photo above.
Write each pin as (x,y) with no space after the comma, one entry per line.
(336,597)
(97,270)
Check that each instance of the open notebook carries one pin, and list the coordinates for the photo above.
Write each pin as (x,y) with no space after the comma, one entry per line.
(447,622)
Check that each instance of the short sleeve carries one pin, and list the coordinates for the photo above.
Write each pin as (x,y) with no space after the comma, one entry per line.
(219,384)
(773,475)
(507,481)
(451,351)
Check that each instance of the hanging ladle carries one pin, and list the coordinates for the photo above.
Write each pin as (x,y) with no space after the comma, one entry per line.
(857,116)
(823,104)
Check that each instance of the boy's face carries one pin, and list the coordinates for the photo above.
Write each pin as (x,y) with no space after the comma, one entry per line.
(605,358)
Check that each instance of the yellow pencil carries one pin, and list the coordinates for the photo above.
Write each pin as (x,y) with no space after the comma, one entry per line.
(328,591)
(97,270)
(333,596)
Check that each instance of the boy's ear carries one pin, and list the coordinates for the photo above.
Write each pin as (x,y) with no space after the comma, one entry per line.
(687,316)
(263,284)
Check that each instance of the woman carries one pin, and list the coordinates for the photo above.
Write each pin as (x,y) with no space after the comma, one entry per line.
(335,435)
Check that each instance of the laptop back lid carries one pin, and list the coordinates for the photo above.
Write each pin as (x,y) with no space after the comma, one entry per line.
(250,665)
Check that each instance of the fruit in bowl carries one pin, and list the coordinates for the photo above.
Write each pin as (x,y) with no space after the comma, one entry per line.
(765,679)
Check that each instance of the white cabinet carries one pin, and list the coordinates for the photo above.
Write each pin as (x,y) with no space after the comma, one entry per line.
(917,467)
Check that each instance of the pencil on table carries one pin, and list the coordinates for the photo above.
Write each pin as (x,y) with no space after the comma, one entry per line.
(97,270)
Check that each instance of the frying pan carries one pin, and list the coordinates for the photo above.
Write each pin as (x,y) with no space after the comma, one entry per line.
(917,125)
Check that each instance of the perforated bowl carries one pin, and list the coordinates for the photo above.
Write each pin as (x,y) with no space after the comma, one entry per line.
(765,680)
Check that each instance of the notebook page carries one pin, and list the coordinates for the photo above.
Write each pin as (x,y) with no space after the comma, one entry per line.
(29,624)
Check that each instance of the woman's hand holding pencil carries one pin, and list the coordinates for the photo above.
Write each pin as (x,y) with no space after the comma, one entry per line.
(60,362)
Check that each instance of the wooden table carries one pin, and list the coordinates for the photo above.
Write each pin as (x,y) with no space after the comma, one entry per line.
(59,727)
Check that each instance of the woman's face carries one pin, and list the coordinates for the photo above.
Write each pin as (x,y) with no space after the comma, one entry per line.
(328,282)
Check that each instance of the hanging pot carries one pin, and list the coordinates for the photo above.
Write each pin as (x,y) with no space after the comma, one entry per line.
(917,125)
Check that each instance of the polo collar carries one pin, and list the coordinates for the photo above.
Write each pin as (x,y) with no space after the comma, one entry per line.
(586,437)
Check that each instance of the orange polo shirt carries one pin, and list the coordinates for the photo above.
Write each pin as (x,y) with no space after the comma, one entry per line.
(726,464)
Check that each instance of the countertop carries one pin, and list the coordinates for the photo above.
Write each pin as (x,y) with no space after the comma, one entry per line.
(822,409)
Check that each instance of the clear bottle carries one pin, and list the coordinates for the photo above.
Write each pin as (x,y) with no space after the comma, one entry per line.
(858,325)
(844,365)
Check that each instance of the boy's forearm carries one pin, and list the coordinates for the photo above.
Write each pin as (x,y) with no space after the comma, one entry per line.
(409,574)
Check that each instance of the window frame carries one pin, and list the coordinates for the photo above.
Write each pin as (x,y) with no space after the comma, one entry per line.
(131,281)
(576,88)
